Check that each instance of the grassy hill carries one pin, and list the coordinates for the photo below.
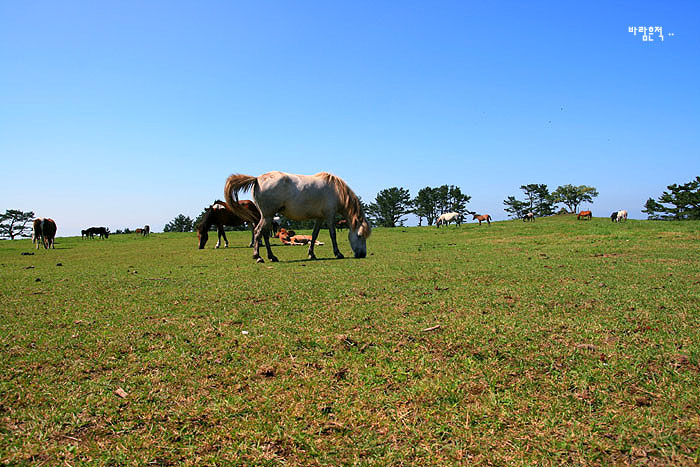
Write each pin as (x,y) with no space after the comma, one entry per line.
(559,341)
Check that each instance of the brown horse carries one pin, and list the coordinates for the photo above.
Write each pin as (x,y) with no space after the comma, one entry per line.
(288,237)
(220,214)
(584,215)
(284,233)
(44,232)
(482,217)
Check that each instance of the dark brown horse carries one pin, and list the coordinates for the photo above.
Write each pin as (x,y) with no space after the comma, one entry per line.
(482,217)
(103,232)
(44,232)
(584,215)
(220,214)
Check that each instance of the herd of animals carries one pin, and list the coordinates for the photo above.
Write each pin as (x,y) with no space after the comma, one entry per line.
(320,197)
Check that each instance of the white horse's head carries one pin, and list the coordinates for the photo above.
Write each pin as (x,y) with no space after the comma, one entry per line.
(358,239)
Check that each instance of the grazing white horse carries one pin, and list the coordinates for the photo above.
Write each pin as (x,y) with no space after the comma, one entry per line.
(621,215)
(448,217)
(302,197)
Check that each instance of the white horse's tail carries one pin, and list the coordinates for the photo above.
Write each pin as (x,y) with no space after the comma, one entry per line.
(234,184)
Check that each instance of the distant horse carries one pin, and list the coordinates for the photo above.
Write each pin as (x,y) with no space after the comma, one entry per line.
(103,232)
(146,230)
(621,215)
(220,214)
(44,232)
(84,234)
(529,217)
(585,215)
(448,217)
(138,231)
(613,216)
(482,217)
(302,197)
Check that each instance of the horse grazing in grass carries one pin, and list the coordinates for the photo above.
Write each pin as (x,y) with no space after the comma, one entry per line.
(621,215)
(613,216)
(585,215)
(221,214)
(529,217)
(44,232)
(103,232)
(302,197)
(448,217)
(146,230)
(482,217)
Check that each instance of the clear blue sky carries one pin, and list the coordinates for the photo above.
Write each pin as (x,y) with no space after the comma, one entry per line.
(129,113)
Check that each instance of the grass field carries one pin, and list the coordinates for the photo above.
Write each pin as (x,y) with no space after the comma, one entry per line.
(559,342)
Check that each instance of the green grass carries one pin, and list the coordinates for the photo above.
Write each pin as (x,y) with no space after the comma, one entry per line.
(560,342)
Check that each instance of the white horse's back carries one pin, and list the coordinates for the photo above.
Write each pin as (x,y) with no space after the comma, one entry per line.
(297,197)
(448,217)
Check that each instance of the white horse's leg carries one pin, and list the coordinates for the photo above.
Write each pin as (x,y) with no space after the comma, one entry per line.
(266,235)
(314,235)
(262,229)
(331,230)
(256,240)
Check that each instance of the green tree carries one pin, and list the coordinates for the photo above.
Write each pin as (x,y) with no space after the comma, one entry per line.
(538,200)
(431,202)
(442,199)
(425,205)
(456,200)
(14,223)
(515,208)
(684,201)
(390,206)
(572,196)
(180,224)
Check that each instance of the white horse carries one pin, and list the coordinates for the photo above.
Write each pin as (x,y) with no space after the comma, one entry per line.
(621,215)
(302,197)
(448,217)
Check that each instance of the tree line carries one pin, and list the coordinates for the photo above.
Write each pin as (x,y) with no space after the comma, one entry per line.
(680,202)
(541,202)
(391,205)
